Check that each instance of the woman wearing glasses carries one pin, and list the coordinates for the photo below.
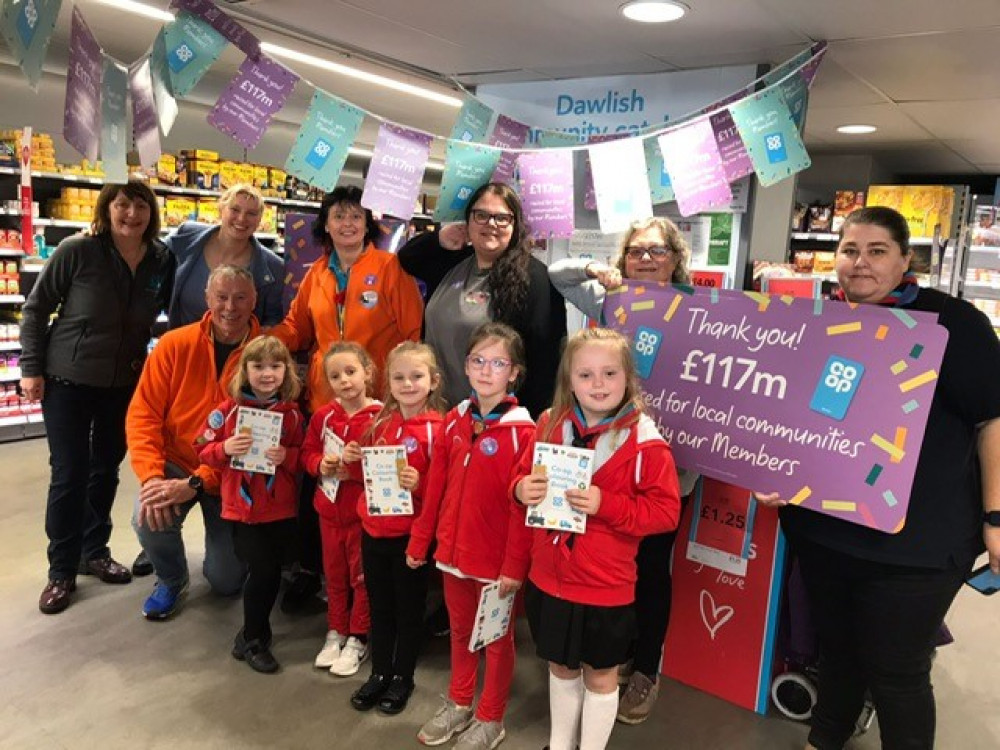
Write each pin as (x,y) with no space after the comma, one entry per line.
(652,250)
(483,271)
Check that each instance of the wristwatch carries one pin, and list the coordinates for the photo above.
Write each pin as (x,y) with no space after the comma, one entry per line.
(992,518)
(195,483)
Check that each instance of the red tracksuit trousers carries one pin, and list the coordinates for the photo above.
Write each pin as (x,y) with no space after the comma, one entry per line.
(347,607)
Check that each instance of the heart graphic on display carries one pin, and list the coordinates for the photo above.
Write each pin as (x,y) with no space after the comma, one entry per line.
(714,616)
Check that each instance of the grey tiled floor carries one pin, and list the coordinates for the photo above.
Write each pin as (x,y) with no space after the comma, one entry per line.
(98,676)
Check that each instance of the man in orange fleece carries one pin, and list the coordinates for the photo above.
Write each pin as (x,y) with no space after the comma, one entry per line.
(185,378)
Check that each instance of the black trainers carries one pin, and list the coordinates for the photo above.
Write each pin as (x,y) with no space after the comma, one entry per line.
(255,653)
(366,696)
(300,595)
(142,566)
(396,696)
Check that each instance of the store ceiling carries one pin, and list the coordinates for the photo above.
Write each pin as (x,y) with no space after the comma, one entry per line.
(924,71)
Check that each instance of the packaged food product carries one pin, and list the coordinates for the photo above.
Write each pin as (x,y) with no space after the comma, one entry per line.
(823,261)
(203,174)
(820,216)
(200,154)
(844,203)
(179,210)
(229,174)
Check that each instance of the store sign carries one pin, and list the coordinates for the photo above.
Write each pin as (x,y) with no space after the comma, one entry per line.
(82,111)
(397,170)
(823,402)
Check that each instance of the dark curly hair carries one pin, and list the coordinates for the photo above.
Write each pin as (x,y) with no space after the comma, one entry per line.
(349,197)
(508,278)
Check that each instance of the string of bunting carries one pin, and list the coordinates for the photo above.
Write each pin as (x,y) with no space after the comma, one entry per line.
(692,160)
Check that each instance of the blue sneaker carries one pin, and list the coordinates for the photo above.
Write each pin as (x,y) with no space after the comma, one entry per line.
(163,602)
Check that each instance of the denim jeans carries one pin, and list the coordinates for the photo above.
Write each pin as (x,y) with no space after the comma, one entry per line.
(85,427)
(222,568)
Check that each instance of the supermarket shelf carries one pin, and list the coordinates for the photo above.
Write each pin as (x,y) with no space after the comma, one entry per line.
(992,249)
(10,346)
(830,237)
(979,291)
(10,375)
(11,299)
(10,252)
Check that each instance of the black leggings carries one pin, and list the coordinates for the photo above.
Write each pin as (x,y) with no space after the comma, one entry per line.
(652,601)
(397,596)
(263,547)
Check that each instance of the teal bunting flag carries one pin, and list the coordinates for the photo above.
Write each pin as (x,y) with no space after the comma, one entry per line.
(660,188)
(322,144)
(192,47)
(27,26)
(114,115)
(473,122)
(466,167)
(771,136)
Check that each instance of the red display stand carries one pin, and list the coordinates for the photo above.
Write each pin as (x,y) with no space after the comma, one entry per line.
(723,624)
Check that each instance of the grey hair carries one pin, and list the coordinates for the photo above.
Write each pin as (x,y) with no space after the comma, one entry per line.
(226,271)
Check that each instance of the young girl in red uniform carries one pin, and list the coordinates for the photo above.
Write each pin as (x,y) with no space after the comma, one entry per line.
(411,417)
(581,587)
(349,416)
(468,505)
(262,506)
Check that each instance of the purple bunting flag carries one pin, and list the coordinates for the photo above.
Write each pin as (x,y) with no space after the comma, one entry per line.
(225,25)
(735,159)
(82,111)
(396,171)
(507,133)
(256,93)
(145,126)
(696,172)
(546,179)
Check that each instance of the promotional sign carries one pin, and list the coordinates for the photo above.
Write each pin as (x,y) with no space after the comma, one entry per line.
(771,136)
(159,72)
(724,643)
(691,156)
(823,402)
(621,187)
(466,167)
(324,140)
(256,93)
(27,28)
(192,47)
(225,25)
(546,189)
(735,159)
(114,133)
(145,129)
(82,111)
(473,121)
(507,133)
(301,251)
(660,189)
(396,171)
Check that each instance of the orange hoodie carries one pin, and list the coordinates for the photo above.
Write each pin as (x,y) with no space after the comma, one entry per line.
(382,304)
(176,392)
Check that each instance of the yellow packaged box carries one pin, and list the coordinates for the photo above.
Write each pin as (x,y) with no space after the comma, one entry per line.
(823,261)
(277,178)
(260,177)
(199,154)
(179,210)
(886,195)
(208,210)
(245,173)
(269,219)
(229,174)
(166,169)
(203,175)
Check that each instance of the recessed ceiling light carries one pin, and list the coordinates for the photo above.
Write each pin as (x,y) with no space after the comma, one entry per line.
(653,11)
(856,129)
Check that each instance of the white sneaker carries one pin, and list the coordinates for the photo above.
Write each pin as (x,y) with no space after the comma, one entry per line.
(330,651)
(351,656)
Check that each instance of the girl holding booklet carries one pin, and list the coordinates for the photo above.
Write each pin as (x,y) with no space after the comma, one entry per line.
(262,504)
(410,419)
(581,587)
(342,424)
(467,506)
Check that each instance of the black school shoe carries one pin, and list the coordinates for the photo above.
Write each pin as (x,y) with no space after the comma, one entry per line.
(255,653)
(300,596)
(396,696)
(366,696)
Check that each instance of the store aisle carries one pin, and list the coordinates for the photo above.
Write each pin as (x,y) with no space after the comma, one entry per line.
(98,675)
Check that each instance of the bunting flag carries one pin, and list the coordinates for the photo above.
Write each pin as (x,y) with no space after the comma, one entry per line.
(466,167)
(396,171)
(695,167)
(145,131)
(589,197)
(114,133)
(192,47)
(771,136)
(473,121)
(546,188)
(254,95)
(660,188)
(555,139)
(27,26)
(159,71)
(735,159)
(507,133)
(621,186)
(232,30)
(82,110)
(322,145)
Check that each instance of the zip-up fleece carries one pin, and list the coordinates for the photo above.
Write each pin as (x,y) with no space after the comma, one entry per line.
(639,496)
(467,501)
(344,512)
(418,435)
(177,390)
(383,308)
(274,498)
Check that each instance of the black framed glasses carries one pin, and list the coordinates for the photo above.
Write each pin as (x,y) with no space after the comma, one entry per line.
(656,252)
(497,364)
(502,221)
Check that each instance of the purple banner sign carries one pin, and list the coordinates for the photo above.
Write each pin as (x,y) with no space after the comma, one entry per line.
(145,126)
(507,133)
(735,159)
(218,20)
(258,90)
(301,251)
(82,111)
(692,159)
(547,192)
(396,171)
(823,402)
